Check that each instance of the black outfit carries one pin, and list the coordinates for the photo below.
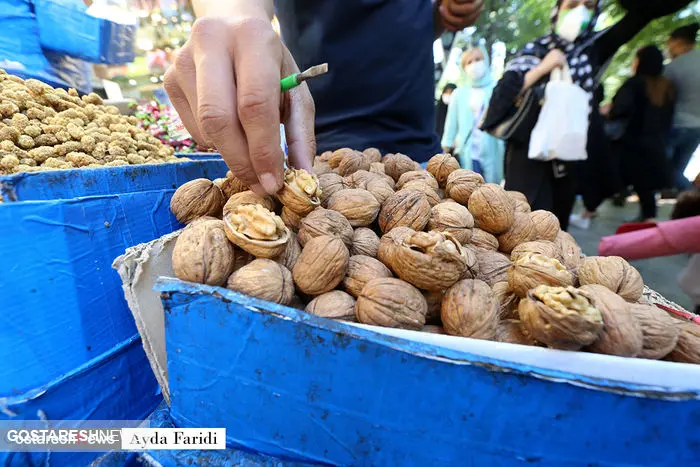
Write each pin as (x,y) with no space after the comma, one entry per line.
(553,185)
(378,91)
(440,116)
(642,148)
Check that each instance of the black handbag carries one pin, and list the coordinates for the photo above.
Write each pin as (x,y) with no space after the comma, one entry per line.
(615,129)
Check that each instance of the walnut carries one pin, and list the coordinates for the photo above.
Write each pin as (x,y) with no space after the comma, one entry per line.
(338,155)
(364,242)
(196,198)
(203,254)
(511,331)
(546,225)
(321,167)
(431,195)
(569,251)
(330,184)
(417,175)
(405,208)
(493,266)
(434,302)
(521,206)
(289,257)
(301,192)
(377,168)
(522,230)
(533,270)
(622,334)
(325,222)
(461,184)
(433,329)
(256,230)
(359,207)
(560,317)
(359,179)
(333,305)
(391,303)
(396,165)
(482,239)
(291,219)
(351,163)
(453,218)
(687,348)
(469,309)
(433,260)
(322,265)
(325,157)
(507,300)
(380,189)
(517,196)
(372,155)
(248,197)
(231,185)
(389,243)
(542,247)
(492,209)
(659,330)
(264,279)
(441,166)
(362,269)
(613,272)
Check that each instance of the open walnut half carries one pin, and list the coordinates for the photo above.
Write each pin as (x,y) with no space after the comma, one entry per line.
(301,192)
(256,230)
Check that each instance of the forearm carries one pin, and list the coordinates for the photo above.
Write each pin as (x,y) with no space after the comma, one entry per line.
(532,77)
(233,7)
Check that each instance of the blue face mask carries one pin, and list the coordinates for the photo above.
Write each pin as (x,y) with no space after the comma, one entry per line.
(573,22)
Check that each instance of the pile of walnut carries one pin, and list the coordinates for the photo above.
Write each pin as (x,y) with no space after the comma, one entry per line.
(42,128)
(378,240)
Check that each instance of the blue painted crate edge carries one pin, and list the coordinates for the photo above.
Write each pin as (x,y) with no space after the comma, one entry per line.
(167,285)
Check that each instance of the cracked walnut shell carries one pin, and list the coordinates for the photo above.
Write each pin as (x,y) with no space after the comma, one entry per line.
(452,218)
(359,207)
(264,279)
(469,309)
(389,243)
(492,209)
(256,230)
(613,272)
(322,265)
(391,303)
(196,198)
(325,222)
(203,254)
(441,166)
(659,330)
(301,192)
(333,305)
(248,197)
(362,269)
(405,208)
(560,317)
(569,251)
(461,184)
(532,270)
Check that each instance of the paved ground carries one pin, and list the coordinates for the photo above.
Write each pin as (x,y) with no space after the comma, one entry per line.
(659,273)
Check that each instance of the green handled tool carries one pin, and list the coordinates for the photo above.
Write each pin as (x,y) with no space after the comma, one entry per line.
(292,81)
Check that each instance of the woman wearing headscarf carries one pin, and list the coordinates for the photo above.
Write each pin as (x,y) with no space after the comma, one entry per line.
(475,149)
(644,106)
(553,185)
(441,108)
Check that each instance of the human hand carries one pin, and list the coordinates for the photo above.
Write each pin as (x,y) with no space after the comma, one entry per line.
(554,59)
(458,14)
(225,85)
(605,109)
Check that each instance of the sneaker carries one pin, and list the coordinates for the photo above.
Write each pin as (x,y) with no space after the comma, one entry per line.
(580,222)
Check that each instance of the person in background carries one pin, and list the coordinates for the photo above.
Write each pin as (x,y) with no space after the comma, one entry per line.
(688,205)
(475,149)
(573,41)
(441,108)
(644,105)
(684,71)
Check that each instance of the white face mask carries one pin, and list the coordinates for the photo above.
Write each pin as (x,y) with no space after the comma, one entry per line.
(446,99)
(573,23)
(476,70)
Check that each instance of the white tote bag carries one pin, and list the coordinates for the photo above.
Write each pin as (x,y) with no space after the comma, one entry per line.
(561,131)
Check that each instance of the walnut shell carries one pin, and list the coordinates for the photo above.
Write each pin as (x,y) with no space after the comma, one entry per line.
(434,302)
(493,266)
(433,261)
(389,243)
(522,231)
(521,206)
(364,242)
(380,189)
(203,254)
(441,166)
(418,185)
(517,196)
(417,175)
(372,155)
(199,220)
(360,179)
(492,209)
(569,251)
(546,225)
(362,269)
(288,258)
(338,155)
(291,219)
(622,334)
(483,239)
(613,272)
(232,185)
(322,265)
(264,279)
(325,157)
(461,184)
(301,192)
(378,168)
(469,309)
(397,164)
(352,163)
(330,184)
(453,218)
(359,207)
(433,329)
(687,348)
(321,167)
(333,305)
(659,330)
(511,331)
(256,230)
(325,222)
(405,208)
(542,247)
(507,300)
(560,317)
(196,198)
(248,197)
(391,303)
(532,270)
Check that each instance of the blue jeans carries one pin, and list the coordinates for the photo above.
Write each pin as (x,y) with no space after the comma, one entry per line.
(683,143)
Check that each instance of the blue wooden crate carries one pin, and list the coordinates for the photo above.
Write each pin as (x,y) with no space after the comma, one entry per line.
(303,388)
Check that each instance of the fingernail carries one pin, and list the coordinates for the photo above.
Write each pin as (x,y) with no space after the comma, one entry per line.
(269,183)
